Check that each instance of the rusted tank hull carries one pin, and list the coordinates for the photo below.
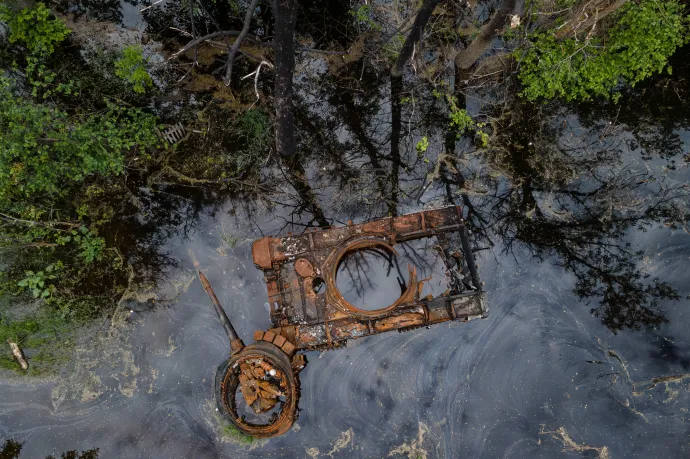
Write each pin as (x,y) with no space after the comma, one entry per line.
(336,332)
(311,320)
(309,312)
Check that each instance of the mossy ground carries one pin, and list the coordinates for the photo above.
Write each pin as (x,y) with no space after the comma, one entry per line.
(46,338)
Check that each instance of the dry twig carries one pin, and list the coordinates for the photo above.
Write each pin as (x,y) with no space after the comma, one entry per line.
(256,79)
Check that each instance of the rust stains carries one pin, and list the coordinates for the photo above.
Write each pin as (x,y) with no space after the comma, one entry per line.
(304,268)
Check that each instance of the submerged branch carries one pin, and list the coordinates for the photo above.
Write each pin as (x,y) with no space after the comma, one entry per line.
(195,181)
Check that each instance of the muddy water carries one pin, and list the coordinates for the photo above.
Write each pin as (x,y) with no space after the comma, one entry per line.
(542,376)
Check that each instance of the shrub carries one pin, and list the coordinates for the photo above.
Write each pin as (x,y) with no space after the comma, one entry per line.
(131,67)
(645,35)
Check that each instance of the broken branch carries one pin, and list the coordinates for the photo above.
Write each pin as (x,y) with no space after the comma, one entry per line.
(415,36)
(150,6)
(39,223)
(256,78)
(19,355)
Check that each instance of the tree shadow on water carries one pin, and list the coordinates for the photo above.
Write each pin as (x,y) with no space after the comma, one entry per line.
(12,449)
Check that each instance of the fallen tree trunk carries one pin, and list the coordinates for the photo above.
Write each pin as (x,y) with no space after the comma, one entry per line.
(586,18)
(414,37)
(468,56)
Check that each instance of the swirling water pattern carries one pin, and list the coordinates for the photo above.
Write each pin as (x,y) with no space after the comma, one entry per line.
(500,387)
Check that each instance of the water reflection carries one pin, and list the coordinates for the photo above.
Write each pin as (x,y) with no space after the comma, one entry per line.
(549,184)
(578,198)
(12,449)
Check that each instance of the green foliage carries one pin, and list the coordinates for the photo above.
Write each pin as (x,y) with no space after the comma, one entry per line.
(39,33)
(461,120)
(55,164)
(240,437)
(47,338)
(35,330)
(422,145)
(231,241)
(391,49)
(42,306)
(36,282)
(645,35)
(45,151)
(252,131)
(482,135)
(91,247)
(35,28)
(561,4)
(131,67)
(363,17)
(233,5)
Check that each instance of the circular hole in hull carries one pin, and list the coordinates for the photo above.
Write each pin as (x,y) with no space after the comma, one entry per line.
(371,279)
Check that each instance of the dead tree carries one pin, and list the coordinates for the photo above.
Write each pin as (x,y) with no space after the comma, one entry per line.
(283,45)
(467,57)
(232,50)
(285,14)
(414,37)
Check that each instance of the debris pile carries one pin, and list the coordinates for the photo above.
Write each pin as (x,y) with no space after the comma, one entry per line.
(262,385)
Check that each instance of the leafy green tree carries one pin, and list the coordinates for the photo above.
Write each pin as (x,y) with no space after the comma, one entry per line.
(39,33)
(44,151)
(644,36)
(35,28)
(57,160)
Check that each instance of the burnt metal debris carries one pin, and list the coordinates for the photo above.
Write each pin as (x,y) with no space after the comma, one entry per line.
(257,388)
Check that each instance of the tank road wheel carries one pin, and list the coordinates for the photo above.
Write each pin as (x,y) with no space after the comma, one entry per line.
(257,391)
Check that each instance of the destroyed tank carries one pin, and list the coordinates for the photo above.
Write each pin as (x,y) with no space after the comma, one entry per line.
(257,388)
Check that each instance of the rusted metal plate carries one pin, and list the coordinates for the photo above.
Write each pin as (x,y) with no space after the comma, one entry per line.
(297,267)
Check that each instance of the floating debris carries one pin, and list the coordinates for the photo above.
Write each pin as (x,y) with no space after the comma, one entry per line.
(570,445)
(174,133)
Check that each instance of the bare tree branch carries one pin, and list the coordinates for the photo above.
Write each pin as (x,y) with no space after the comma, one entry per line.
(69,225)
(467,57)
(232,50)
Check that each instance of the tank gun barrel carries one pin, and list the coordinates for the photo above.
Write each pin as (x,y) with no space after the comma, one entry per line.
(236,343)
